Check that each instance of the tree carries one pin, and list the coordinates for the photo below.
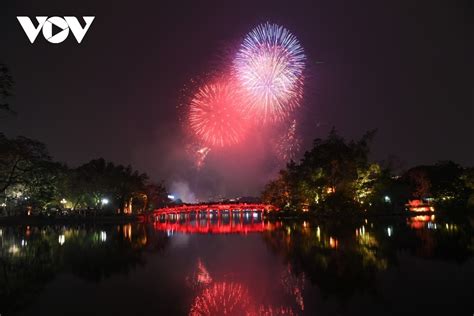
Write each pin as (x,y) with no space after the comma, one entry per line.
(6,89)
(20,158)
(333,170)
(98,179)
(156,194)
(443,182)
(468,178)
(277,192)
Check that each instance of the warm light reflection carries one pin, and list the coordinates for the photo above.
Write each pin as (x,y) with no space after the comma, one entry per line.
(294,285)
(61,239)
(127,231)
(419,221)
(210,227)
(13,249)
(419,206)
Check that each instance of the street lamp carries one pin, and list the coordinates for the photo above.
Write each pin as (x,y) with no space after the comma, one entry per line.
(63,201)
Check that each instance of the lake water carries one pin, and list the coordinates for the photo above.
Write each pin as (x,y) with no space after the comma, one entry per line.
(392,266)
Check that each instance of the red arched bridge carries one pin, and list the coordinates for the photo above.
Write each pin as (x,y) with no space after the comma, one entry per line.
(215,209)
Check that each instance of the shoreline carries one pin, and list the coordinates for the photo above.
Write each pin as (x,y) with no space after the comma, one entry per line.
(124,219)
(41,220)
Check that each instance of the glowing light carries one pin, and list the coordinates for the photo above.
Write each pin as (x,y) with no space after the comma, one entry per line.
(269,66)
(103,236)
(13,249)
(104,201)
(63,201)
(3,205)
(127,231)
(387,199)
(215,115)
(333,242)
(61,239)
(389,231)
(419,206)
(171,197)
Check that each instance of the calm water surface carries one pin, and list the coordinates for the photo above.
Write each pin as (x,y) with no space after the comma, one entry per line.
(397,266)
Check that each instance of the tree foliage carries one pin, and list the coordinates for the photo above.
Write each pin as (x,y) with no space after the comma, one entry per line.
(333,173)
(29,179)
(337,175)
(6,89)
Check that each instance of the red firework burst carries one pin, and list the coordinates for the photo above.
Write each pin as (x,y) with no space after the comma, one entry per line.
(224,298)
(215,115)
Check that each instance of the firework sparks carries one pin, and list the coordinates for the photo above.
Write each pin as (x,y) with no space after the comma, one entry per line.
(200,277)
(223,298)
(289,145)
(269,66)
(274,311)
(215,117)
(198,154)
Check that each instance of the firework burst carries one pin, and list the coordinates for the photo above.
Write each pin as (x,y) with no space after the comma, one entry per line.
(269,66)
(215,115)
(224,298)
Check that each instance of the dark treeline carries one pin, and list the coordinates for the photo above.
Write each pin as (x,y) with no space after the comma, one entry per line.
(337,175)
(31,182)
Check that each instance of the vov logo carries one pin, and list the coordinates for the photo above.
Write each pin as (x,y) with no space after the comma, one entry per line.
(61,26)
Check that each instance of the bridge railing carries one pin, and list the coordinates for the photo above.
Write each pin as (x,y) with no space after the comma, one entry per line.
(239,207)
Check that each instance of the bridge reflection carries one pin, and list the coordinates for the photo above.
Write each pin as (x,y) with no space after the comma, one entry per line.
(238,218)
(220,226)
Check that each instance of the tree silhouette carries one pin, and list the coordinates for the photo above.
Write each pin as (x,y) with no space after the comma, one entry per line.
(6,90)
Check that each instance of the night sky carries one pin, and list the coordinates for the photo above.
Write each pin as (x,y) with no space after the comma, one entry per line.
(403,67)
